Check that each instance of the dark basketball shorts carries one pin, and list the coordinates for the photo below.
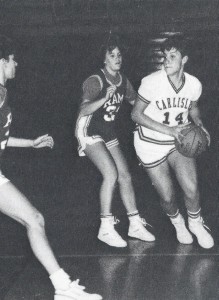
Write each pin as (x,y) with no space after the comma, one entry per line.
(84,139)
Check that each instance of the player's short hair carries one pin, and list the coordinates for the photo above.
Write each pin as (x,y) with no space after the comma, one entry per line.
(179,43)
(110,44)
(6,47)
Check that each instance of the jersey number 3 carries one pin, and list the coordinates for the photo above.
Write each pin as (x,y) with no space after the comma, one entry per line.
(178,118)
(111,113)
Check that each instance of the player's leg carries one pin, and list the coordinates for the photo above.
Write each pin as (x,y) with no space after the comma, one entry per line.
(102,159)
(15,205)
(137,225)
(153,158)
(161,179)
(124,179)
(185,169)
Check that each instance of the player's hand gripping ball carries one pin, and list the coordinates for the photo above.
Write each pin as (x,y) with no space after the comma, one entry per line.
(193,143)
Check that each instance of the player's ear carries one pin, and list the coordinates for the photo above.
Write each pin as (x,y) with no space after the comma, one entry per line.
(185,59)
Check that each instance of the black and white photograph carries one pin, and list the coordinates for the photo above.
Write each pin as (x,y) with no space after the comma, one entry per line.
(109,149)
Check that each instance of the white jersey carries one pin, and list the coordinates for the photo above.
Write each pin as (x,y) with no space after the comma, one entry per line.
(166,104)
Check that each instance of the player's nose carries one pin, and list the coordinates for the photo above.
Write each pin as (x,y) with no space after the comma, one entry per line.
(166,61)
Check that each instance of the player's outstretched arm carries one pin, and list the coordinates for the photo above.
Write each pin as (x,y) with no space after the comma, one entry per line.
(43,141)
(40,142)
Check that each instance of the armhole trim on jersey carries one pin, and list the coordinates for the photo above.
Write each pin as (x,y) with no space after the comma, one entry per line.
(99,79)
(194,102)
(143,99)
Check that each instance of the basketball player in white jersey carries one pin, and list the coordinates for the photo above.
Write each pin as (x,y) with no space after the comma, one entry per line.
(166,99)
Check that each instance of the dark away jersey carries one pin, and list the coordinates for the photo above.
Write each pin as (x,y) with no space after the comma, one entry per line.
(5,118)
(102,121)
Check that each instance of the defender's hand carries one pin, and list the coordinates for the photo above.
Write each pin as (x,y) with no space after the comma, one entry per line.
(110,91)
(43,141)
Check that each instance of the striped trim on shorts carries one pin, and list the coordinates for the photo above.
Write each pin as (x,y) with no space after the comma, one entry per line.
(152,153)
(84,139)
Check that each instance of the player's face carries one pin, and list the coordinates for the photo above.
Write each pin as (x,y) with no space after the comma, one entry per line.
(113,60)
(10,67)
(173,61)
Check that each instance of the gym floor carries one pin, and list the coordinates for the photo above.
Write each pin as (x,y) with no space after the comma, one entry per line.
(65,189)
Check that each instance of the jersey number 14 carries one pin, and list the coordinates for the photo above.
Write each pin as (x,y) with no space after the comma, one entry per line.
(178,118)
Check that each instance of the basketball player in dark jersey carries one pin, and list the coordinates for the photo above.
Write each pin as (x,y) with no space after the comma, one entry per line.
(103,95)
(15,205)
(154,140)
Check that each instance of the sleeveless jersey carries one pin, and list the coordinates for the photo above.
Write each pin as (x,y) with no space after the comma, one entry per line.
(5,118)
(102,121)
(166,104)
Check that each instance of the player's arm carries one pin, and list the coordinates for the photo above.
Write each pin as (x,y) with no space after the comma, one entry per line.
(40,142)
(87,107)
(140,118)
(130,95)
(195,114)
(91,90)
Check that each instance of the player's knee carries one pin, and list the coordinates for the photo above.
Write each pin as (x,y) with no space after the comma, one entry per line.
(111,176)
(125,178)
(36,221)
(40,219)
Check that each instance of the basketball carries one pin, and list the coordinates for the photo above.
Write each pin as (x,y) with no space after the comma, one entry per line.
(193,143)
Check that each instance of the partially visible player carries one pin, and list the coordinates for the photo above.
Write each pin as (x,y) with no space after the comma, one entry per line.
(15,205)
(166,99)
(103,95)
